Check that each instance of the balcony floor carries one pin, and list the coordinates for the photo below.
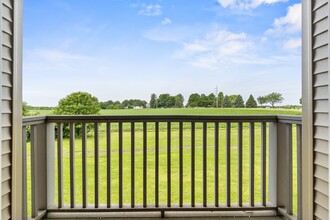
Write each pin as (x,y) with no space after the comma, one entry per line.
(173,218)
(267,215)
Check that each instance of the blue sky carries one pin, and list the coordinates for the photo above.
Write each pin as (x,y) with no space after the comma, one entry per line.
(122,49)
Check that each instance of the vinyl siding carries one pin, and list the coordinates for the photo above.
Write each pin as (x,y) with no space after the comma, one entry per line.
(320,60)
(6,98)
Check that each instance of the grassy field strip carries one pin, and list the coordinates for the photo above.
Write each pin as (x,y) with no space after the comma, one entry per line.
(191,111)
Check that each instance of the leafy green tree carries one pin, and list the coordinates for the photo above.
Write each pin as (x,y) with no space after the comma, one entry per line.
(220,99)
(262,100)
(226,102)
(153,101)
(77,103)
(133,103)
(251,102)
(239,102)
(116,105)
(211,100)
(203,101)
(25,110)
(111,105)
(166,101)
(300,101)
(194,100)
(274,98)
(232,99)
(179,101)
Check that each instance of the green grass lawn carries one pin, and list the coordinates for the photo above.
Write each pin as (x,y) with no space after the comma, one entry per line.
(174,158)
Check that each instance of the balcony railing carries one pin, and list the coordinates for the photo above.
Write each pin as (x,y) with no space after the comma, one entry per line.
(76,165)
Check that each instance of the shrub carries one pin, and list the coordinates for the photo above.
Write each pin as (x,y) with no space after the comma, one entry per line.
(77,103)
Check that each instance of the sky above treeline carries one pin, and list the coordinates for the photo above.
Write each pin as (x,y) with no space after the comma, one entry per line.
(128,49)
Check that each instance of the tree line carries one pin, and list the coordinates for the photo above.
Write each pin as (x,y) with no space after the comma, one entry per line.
(84,103)
(211,101)
(126,104)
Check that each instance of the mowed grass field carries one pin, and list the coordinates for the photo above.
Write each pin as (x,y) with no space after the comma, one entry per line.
(174,159)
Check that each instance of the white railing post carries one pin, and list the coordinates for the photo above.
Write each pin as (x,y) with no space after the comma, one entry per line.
(272,158)
(24,176)
(45,162)
(35,171)
(50,142)
(41,163)
(284,174)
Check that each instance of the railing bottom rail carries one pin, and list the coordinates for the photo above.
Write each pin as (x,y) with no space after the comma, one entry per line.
(140,208)
(161,214)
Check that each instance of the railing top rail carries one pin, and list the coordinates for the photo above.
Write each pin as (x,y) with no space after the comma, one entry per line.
(290,119)
(162,118)
(34,120)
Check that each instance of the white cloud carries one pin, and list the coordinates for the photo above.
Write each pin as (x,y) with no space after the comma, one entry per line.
(151,10)
(287,29)
(218,48)
(290,23)
(247,4)
(166,21)
(57,56)
(293,43)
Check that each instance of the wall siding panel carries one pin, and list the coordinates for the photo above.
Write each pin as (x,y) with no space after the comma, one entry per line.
(6,213)
(318,3)
(321,79)
(6,113)
(321,106)
(320,26)
(322,187)
(321,132)
(321,146)
(321,159)
(320,13)
(321,92)
(320,54)
(321,120)
(321,39)
(321,66)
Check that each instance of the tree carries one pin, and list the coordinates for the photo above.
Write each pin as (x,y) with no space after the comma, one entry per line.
(166,101)
(274,98)
(25,110)
(226,102)
(239,102)
(300,101)
(133,103)
(262,100)
(220,99)
(251,102)
(232,99)
(179,101)
(77,103)
(211,100)
(203,101)
(194,100)
(111,105)
(153,101)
